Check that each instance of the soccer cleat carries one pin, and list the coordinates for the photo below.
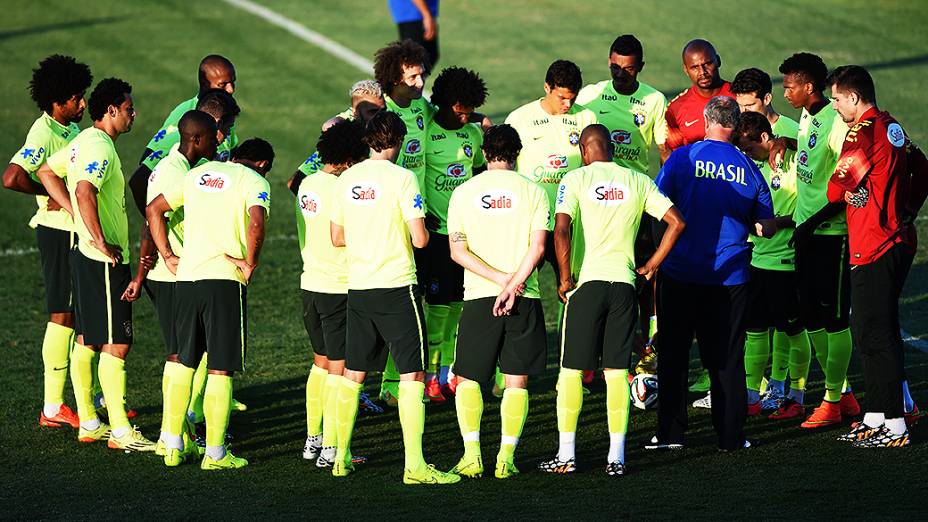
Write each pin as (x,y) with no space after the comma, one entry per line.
(160,448)
(101,433)
(772,400)
(229,461)
(615,469)
(238,406)
(883,438)
(132,440)
(65,415)
(389,398)
(312,447)
(702,383)
(433,391)
(470,466)
(827,414)
(849,405)
(555,465)
(175,457)
(754,409)
(429,475)
(505,469)
(705,402)
(859,431)
(450,388)
(340,468)
(326,457)
(790,409)
(911,417)
(368,407)
(101,408)
(655,445)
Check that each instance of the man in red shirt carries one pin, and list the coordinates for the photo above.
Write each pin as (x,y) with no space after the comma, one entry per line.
(882,177)
(685,121)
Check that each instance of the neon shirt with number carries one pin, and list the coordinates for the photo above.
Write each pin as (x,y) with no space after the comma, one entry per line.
(216,197)
(169,135)
(775,253)
(170,172)
(818,146)
(498,211)
(550,143)
(417,118)
(45,137)
(373,201)
(92,157)
(450,159)
(609,200)
(313,163)
(634,121)
(325,267)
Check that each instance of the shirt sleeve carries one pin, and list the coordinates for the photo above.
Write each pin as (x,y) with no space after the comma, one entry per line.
(258,193)
(853,165)
(93,162)
(566,201)
(479,159)
(173,193)
(411,202)
(454,221)
(763,207)
(664,180)
(660,121)
(587,94)
(33,153)
(58,162)
(655,203)
(160,146)
(312,164)
(541,210)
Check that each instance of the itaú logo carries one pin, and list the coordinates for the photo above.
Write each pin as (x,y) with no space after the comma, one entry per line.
(496,201)
(213,182)
(364,193)
(309,204)
(608,194)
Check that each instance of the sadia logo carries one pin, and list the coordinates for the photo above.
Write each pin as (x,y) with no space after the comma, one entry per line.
(309,204)
(212,182)
(496,201)
(557,161)
(803,158)
(413,147)
(456,171)
(621,137)
(895,135)
(364,193)
(608,194)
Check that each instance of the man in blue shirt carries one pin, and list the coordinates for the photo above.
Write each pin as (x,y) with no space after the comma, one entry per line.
(702,289)
(417,20)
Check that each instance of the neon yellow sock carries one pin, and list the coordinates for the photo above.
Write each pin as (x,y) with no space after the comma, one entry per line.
(500,379)
(345,414)
(112,371)
(513,411)
(839,356)
(617,400)
(451,333)
(329,422)
(756,352)
(82,381)
(780,363)
(819,341)
(196,391)
(166,393)
(217,405)
(569,399)
(800,357)
(436,316)
(468,402)
(391,378)
(56,347)
(180,379)
(315,384)
(412,420)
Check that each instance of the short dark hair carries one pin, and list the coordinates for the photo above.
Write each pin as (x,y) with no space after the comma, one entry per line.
(750,81)
(255,150)
(501,143)
(384,131)
(342,143)
(854,78)
(218,103)
(566,74)
(627,45)
(389,62)
(57,79)
(809,67)
(110,91)
(751,125)
(458,85)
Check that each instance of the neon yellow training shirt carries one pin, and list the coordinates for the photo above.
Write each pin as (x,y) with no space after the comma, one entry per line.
(170,172)
(818,144)
(325,267)
(169,135)
(775,253)
(417,118)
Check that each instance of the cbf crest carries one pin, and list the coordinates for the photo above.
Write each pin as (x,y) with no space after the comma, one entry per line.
(468,150)
(775,182)
(574,138)
(639,119)
(420,122)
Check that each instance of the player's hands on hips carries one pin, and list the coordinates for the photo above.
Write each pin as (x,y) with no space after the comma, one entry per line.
(243,266)
(133,291)
(147,262)
(648,271)
(52,205)
(113,252)
(565,287)
(171,261)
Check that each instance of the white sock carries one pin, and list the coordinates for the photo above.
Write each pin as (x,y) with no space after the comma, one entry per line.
(119,432)
(566,445)
(616,447)
(91,424)
(874,419)
(172,441)
(216,452)
(774,384)
(897,425)
(328,452)
(443,375)
(50,410)
(753,396)
(907,403)
(797,395)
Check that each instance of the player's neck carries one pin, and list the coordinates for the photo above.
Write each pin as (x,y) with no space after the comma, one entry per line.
(192,157)
(107,128)
(864,109)
(772,115)
(816,103)
(447,120)
(384,155)
(712,90)
(400,100)
(626,90)
(59,117)
(499,165)
(547,109)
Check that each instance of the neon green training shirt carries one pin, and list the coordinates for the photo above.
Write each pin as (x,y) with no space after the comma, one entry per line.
(450,159)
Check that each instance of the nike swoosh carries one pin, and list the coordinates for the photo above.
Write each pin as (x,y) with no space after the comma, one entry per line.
(604,112)
(438,152)
(538,137)
(690,123)
(59,369)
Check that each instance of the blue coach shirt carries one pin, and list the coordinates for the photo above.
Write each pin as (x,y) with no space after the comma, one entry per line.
(721,194)
(403,11)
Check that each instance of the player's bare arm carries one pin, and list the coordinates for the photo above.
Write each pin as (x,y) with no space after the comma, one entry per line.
(55,187)
(86,195)
(675,226)
(562,232)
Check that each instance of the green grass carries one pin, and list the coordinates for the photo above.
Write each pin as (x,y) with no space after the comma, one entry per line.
(286,89)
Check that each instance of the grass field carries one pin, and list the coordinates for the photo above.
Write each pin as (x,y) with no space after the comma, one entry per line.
(286,89)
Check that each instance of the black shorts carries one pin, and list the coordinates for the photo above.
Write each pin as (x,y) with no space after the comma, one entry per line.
(211,316)
(54,250)
(324,319)
(443,279)
(773,301)
(517,341)
(385,316)
(161,294)
(599,326)
(823,273)
(100,315)
(415,31)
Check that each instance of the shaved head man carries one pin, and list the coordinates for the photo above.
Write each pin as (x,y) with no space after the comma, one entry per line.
(216,72)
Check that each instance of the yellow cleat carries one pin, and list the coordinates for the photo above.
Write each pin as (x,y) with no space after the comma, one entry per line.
(132,440)
(505,469)
(229,461)
(470,466)
(101,433)
(429,475)
(341,467)
(160,449)
(238,406)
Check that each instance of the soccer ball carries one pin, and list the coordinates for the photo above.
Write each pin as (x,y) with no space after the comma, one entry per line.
(644,391)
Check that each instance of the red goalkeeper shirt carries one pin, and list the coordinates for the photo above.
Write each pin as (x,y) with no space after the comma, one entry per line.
(685,121)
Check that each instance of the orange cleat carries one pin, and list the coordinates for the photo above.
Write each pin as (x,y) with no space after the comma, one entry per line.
(790,409)
(450,388)
(64,416)
(911,417)
(433,391)
(828,414)
(849,405)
